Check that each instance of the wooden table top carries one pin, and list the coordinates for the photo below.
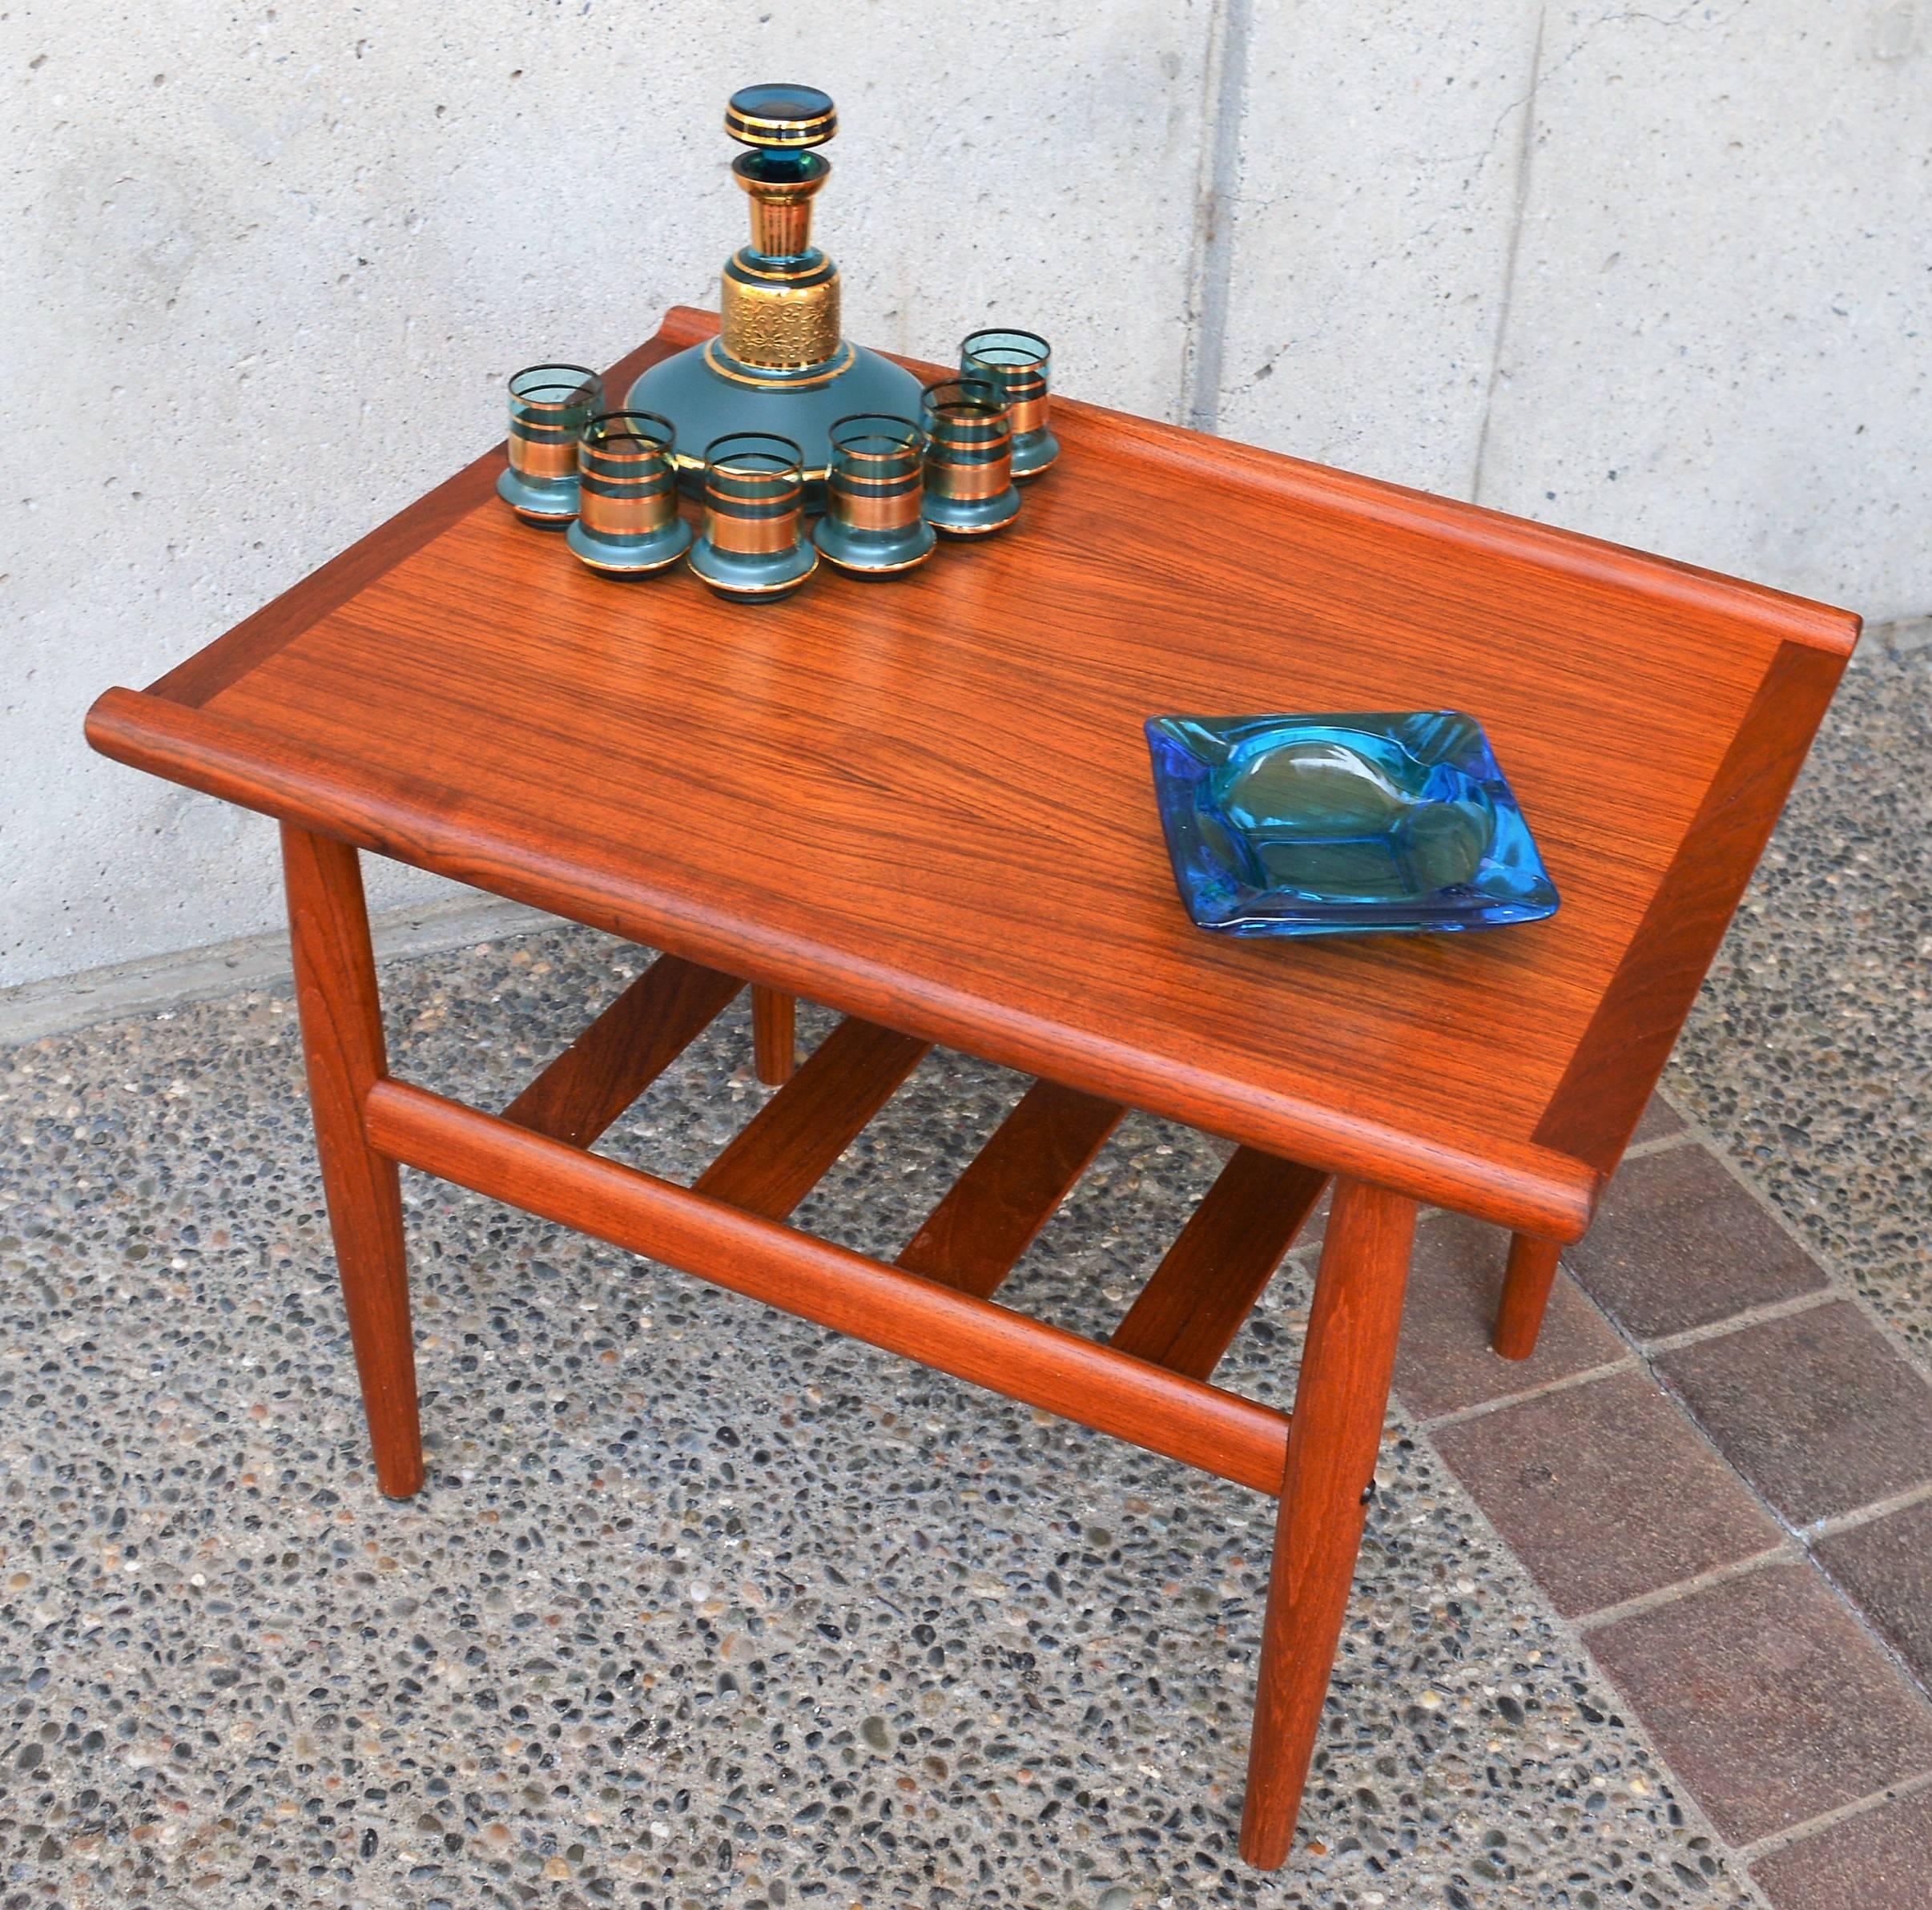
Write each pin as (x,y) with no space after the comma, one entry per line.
(926,801)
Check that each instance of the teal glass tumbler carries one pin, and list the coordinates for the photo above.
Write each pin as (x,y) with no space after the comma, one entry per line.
(874,524)
(969,463)
(754,547)
(1018,365)
(549,406)
(627,523)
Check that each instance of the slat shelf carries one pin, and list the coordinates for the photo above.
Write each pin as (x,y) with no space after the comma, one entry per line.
(1027,1360)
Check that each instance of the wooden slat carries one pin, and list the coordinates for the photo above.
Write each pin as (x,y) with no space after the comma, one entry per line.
(623,1051)
(788,1147)
(1215,1272)
(973,1238)
(1026,1360)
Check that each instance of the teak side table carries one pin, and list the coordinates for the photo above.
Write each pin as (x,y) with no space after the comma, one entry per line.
(926,804)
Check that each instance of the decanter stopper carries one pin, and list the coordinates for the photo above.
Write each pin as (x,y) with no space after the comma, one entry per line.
(780,293)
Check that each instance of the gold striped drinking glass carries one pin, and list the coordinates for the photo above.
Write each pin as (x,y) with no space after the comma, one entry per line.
(969,458)
(1020,364)
(549,406)
(627,522)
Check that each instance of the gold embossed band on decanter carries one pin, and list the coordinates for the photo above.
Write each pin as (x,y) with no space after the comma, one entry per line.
(776,324)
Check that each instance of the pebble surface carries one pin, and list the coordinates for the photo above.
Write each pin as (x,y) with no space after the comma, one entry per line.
(1808,1055)
(702,1605)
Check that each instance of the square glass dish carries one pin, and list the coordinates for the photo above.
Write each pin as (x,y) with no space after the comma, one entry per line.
(1381,823)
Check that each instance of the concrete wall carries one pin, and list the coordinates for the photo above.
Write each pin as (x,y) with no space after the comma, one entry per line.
(1660,276)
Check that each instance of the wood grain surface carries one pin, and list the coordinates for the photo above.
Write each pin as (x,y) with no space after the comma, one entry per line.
(1608,1082)
(927,801)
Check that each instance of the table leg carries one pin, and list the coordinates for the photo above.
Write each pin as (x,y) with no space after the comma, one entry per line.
(774,1041)
(1526,1293)
(335,993)
(1347,1366)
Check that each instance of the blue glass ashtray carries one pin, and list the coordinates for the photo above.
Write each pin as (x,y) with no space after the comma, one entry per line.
(1386,822)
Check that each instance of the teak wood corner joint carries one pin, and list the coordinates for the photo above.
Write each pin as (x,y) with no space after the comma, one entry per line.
(827,799)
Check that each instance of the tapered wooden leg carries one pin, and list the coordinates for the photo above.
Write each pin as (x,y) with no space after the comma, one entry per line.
(335,972)
(1526,1293)
(773,1040)
(1347,1366)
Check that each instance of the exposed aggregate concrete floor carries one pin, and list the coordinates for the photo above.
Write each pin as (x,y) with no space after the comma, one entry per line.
(702,1605)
